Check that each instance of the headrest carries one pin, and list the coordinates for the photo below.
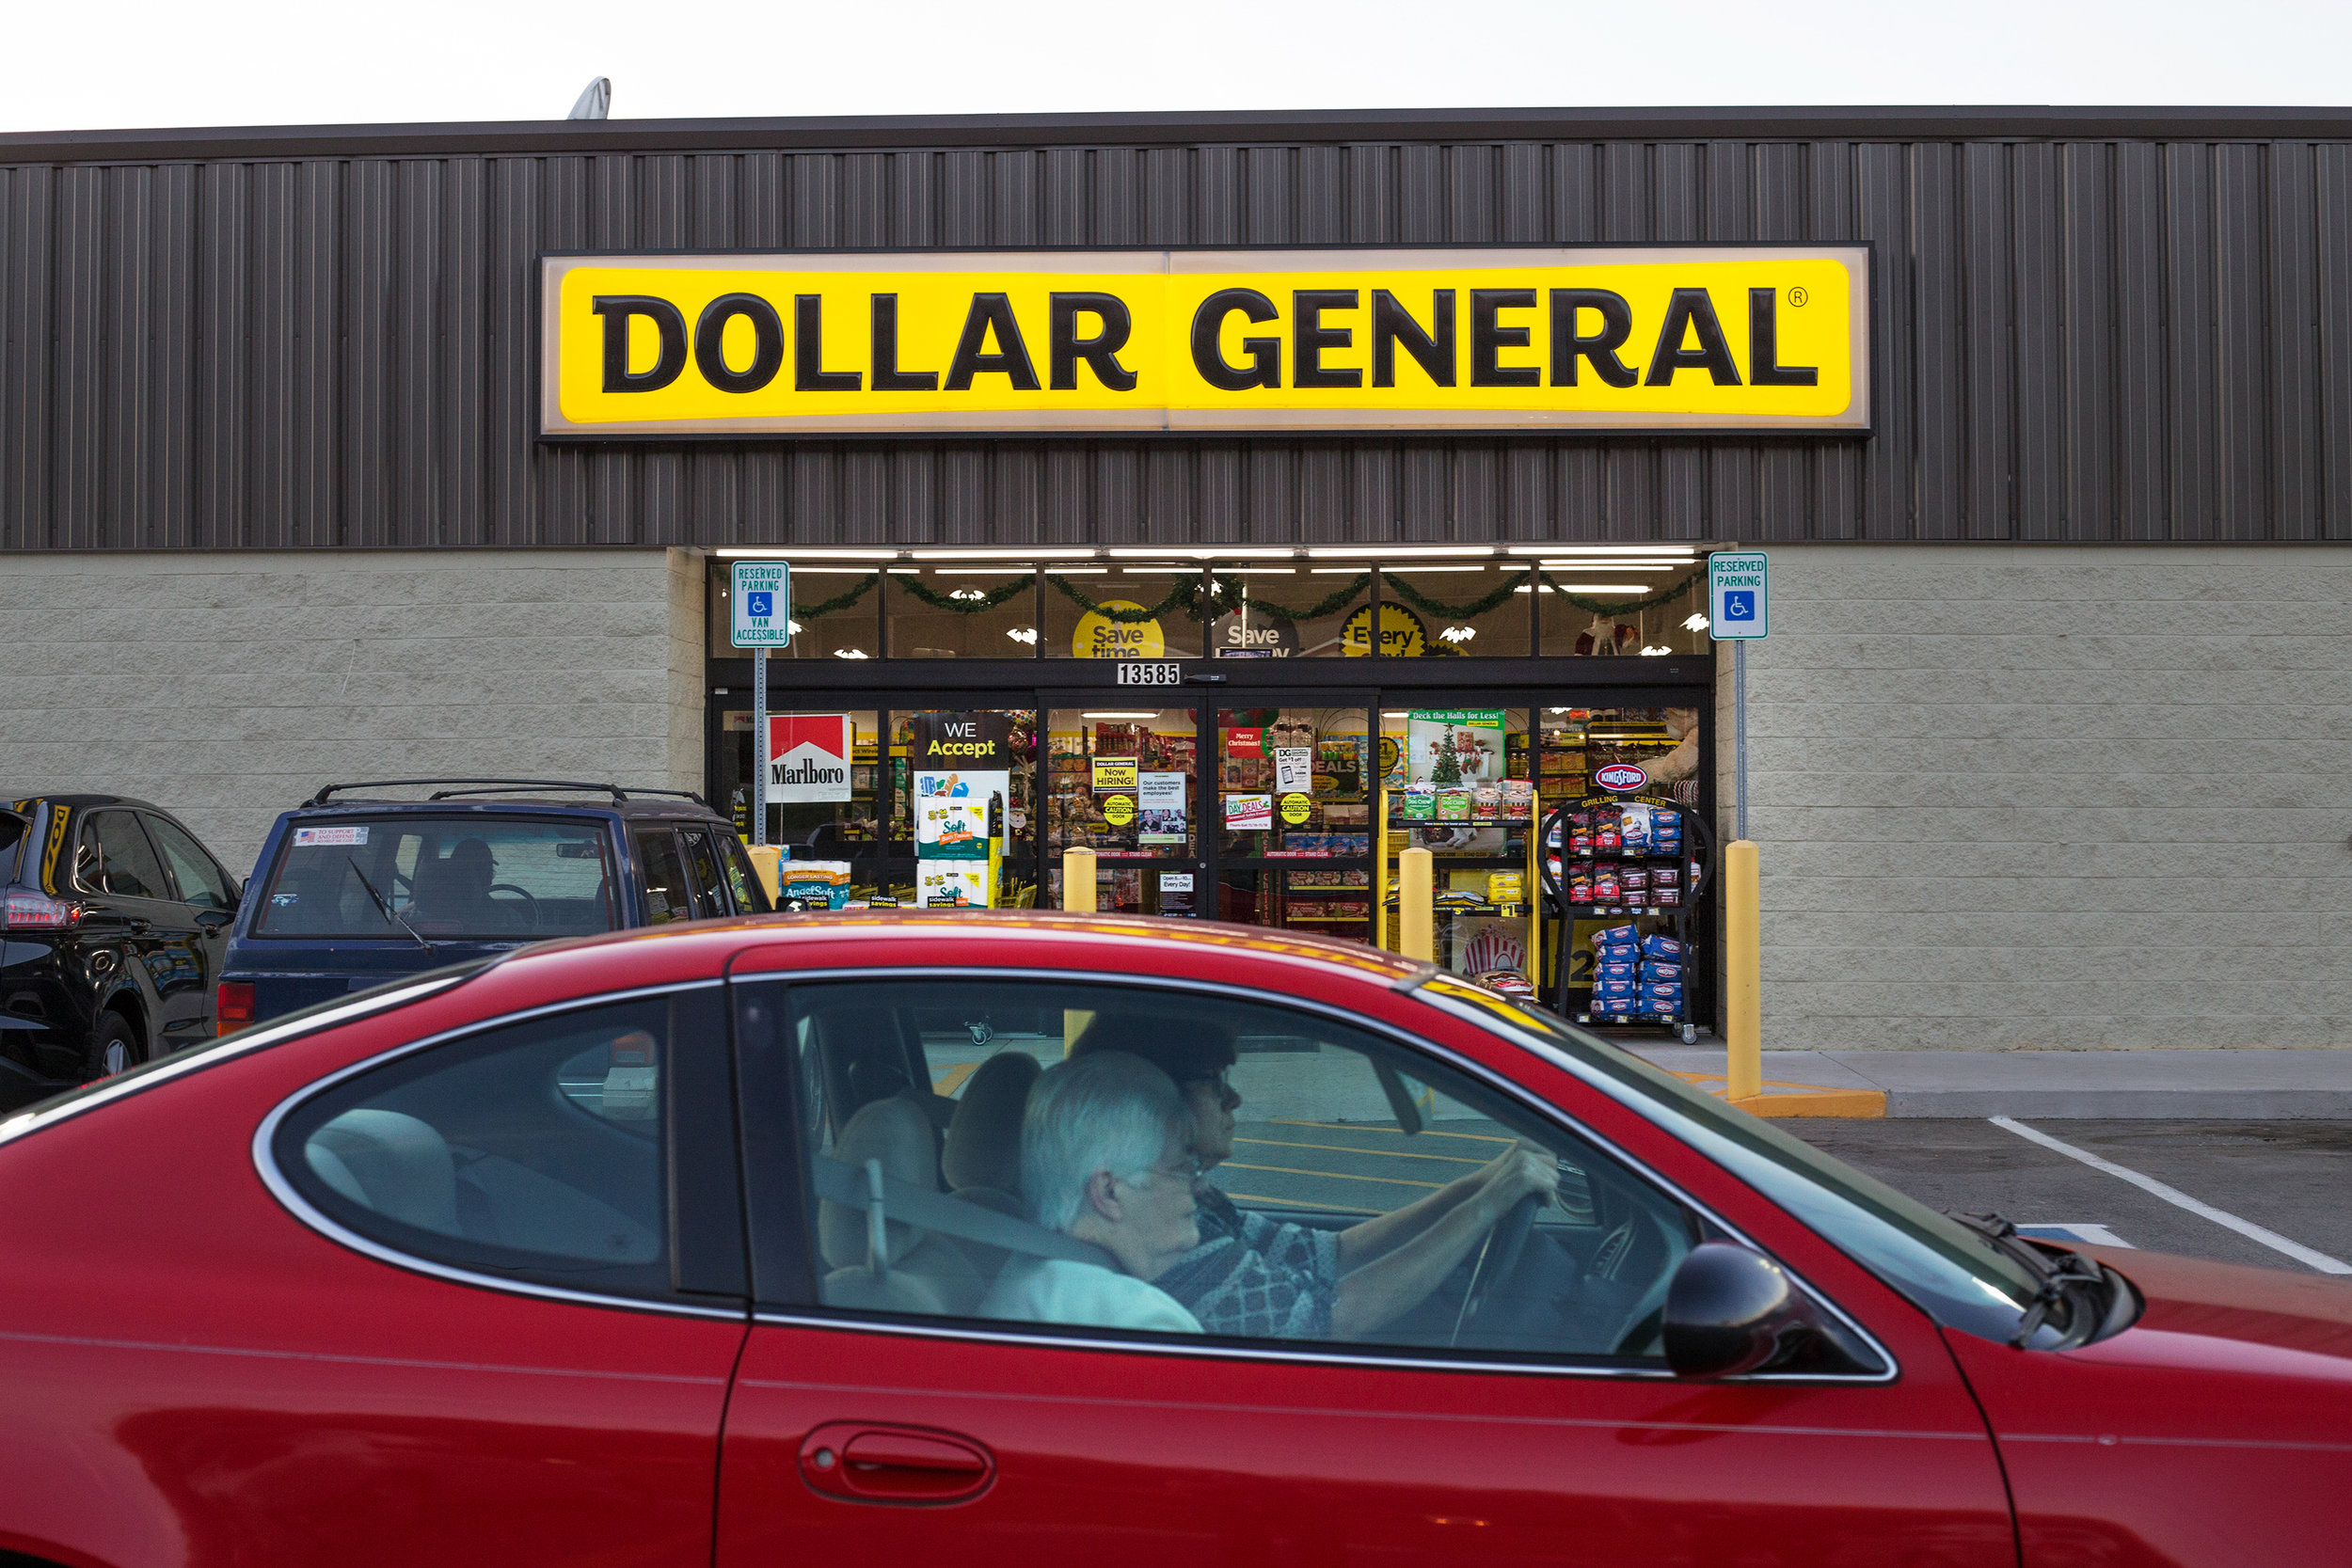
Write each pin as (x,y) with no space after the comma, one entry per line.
(896,1133)
(393,1163)
(984,1136)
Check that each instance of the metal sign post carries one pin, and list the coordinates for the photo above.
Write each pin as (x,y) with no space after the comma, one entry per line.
(760,604)
(1739,612)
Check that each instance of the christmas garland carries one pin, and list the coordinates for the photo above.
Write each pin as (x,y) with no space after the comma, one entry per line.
(1201,602)
(838,603)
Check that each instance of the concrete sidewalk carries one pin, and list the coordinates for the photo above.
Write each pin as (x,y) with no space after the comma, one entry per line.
(2051,1085)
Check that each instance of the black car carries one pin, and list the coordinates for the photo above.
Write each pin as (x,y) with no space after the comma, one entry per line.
(114,919)
(351,891)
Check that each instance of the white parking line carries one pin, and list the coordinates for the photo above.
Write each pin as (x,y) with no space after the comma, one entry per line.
(2076,1231)
(2180,1200)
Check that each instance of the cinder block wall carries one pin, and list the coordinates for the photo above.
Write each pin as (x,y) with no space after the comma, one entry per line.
(2053,796)
(227,687)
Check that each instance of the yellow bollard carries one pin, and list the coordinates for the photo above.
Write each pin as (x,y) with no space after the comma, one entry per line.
(1744,974)
(1077,880)
(764,859)
(1416,905)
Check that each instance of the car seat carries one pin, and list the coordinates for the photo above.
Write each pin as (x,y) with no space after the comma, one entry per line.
(917,1271)
(390,1162)
(983,1144)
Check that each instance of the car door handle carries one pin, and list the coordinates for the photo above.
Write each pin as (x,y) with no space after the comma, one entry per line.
(875,1461)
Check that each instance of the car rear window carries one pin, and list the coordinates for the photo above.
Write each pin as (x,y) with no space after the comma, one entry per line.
(440,878)
(13,830)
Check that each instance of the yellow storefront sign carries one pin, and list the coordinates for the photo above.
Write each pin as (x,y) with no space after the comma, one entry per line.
(1098,636)
(1667,337)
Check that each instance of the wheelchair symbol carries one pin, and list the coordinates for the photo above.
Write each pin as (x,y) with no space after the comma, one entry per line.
(761,604)
(1738,604)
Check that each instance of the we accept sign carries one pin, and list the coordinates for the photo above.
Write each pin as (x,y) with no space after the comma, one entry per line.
(1714,338)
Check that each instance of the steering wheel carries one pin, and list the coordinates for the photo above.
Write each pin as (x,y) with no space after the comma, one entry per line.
(1497,1256)
(1676,1248)
(524,894)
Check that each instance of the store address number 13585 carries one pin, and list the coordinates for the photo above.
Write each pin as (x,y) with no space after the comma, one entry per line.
(1135,671)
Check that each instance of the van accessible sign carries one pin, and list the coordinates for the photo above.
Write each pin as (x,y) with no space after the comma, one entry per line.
(759,594)
(1656,337)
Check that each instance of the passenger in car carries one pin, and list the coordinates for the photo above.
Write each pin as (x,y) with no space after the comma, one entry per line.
(1257,1276)
(1105,1157)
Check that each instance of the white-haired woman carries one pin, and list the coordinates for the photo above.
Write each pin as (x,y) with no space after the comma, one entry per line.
(1106,1158)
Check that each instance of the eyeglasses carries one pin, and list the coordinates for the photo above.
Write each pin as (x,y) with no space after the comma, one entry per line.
(1187,1170)
(1219,1081)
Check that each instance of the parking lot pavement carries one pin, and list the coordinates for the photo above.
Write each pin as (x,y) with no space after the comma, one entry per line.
(2287,1177)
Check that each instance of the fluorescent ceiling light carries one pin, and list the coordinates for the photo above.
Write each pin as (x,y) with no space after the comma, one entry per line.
(1338,571)
(1080,571)
(1425,569)
(1398,553)
(1154,713)
(998,572)
(813,552)
(1561,548)
(1612,565)
(1023,552)
(1208,552)
(1399,713)
(1599,587)
(798,571)
(1160,570)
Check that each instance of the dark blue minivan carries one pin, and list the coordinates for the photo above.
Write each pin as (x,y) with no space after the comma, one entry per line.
(351,891)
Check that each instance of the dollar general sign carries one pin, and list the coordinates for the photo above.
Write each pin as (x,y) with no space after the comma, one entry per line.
(1682,338)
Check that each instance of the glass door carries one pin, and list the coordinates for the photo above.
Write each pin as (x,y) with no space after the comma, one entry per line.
(1121,775)
(1295,785)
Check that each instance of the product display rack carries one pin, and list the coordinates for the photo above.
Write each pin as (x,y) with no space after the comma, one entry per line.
(1396,834)
(1678,920)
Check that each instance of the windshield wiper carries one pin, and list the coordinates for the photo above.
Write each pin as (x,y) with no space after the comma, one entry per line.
(386,905)
(2058,1273)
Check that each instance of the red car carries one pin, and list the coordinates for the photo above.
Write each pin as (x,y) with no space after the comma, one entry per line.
(1031,1238)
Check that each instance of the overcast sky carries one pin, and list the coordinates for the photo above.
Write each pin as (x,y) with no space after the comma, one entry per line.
(240,63)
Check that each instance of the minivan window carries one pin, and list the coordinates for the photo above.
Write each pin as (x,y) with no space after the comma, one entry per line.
(440,877)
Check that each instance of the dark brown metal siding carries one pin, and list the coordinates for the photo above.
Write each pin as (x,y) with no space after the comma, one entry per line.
(2103,339)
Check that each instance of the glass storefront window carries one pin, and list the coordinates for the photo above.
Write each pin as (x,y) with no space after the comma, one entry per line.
(1123,781)
(833,610)
(1274,612)
(1331,901)
(961,613)
(1075,626)
(1466,757)
(1589,618)
(1451,606)
(844,827)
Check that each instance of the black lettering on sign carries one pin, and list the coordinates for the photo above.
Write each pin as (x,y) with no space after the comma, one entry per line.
(1393,324)
(710,333)
(1011,358)
(1692,311)
(1099,351)
(1764,366)
(669,322)
(1489,337)
(1310,338)
(887,376)
(1265,354)
(808,350)
(1568,345)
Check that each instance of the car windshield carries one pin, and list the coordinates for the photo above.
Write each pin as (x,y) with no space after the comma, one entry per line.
(1955,1275)
(433,877)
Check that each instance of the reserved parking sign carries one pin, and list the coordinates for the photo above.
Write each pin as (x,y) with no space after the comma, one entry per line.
(760,594)
(1737,604)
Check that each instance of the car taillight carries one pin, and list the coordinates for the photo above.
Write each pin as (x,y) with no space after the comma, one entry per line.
(24,909)
(232,1007)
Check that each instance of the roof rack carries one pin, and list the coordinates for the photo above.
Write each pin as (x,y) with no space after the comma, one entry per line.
(495,786)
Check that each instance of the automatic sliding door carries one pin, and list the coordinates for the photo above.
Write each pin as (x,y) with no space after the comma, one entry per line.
(1123,778)
(1294,788)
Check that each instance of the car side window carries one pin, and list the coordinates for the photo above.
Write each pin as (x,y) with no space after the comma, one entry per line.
(115,857)
(750,897)
(668,895)
(1177,1162)
(535,1150)
(201,883)
(702,873)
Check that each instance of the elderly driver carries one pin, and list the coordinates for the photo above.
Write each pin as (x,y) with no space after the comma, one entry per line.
(1106,1158)
(1259,1276)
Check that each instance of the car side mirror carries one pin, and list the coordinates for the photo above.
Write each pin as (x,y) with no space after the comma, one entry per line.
(1730,1310)
(213,920)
